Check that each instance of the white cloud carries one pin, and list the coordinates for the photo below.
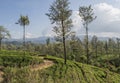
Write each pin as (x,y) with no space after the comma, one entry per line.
(106,34)
(107,23)
(103,34)
(77,21)
(50,33)
(15,35)
(30,35)
(108,18)
(117,0)
(107,12)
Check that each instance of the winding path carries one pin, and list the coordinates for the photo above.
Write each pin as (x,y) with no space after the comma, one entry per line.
(45,64)
(1,74)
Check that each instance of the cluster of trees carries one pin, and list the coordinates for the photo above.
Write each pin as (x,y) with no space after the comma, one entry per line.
(4,33)
(60,13)
(75,48)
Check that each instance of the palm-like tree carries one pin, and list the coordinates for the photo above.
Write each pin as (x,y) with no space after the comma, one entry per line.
(4,33)
(23,21)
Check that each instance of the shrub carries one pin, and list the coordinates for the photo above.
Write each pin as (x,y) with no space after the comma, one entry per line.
(118,70)
(16,75)
(18,61)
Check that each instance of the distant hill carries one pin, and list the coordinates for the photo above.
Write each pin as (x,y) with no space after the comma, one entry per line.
(42,40)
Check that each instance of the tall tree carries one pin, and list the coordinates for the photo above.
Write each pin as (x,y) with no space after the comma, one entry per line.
(23,21)
(47,41)
(118,46)
(94,44)
(87,15)
(106,47)
(4,33)
(100,47)
(59,14)
(111,44)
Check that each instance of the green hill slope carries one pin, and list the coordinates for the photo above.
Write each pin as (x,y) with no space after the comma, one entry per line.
(73,72)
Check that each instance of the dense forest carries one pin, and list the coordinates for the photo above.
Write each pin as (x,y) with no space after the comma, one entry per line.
(68,59)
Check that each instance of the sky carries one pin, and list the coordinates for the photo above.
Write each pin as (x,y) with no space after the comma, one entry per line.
(107,23)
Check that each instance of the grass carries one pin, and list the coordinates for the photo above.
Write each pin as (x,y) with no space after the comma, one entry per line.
(72,72)
(17,59)
(83,73)
(111,62)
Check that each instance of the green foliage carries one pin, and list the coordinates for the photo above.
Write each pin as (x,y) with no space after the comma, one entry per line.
(87,15)
(60,15)
(118,70)
(14,59)
(75,51)
(4,33)
(72,72)
(23,20)
(19,61)
(110,62)
(16,75)
(115,61)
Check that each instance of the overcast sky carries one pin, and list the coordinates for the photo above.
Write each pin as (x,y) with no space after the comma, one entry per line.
(107,23)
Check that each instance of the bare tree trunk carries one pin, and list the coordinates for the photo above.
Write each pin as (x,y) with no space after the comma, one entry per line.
(87,50)
(0,44)
(118,46)
(118,49)
(96,50)
(24,39)
(101,51)
(64,44)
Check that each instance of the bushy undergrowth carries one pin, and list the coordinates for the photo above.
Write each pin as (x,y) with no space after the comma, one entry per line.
(6,52)
(17,59)
(111,62)
(72,72)
(16,75)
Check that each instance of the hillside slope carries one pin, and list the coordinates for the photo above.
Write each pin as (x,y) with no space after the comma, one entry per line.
(75,72)
(72,72)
